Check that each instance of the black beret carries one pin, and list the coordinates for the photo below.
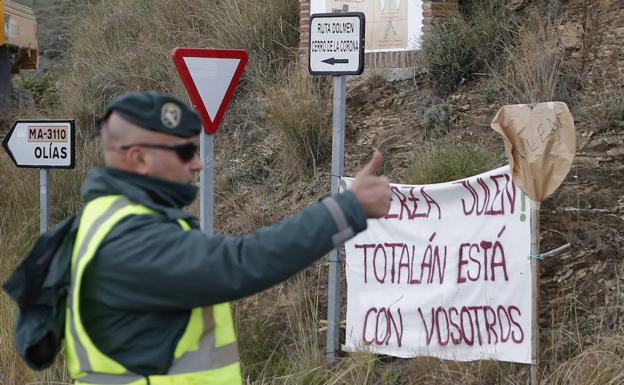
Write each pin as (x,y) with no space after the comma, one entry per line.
(156,112)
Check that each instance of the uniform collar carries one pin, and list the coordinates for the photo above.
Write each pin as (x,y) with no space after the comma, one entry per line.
(152,192)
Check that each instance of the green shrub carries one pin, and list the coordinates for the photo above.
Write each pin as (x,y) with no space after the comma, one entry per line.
(489,91)
(437,119)
(467,44)
(447,54)
(375,78)
(42,87)
(447,162)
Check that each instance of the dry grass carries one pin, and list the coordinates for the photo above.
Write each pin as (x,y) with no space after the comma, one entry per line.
(534,62)
(577,346)
(125,45)
(19,226)
(443,162)
(284,345)
(604,110)
(298,106)
(599,364)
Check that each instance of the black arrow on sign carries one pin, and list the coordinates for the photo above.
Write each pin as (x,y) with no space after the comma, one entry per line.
(333,61)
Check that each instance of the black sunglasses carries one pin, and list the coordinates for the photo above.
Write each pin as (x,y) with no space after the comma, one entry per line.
(185,151)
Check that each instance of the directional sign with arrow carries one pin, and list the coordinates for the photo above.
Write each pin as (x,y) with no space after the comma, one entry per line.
(336,48)
(332,61)
(41,143)
(337,43)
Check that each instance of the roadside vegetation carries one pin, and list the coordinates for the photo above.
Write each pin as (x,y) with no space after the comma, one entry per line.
(272,156)
(468,44)
(444,162)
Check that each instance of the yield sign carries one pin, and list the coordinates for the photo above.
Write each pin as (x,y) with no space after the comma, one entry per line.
(210,77)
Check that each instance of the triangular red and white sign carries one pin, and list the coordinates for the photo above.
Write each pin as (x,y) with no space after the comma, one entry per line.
(210,77)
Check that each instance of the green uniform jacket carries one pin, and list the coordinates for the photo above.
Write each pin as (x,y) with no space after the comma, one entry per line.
(148,273)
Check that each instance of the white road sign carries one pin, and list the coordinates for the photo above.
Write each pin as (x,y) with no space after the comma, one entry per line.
(41,143)
(337,43)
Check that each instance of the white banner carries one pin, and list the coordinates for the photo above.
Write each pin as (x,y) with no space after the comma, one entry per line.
(446,274)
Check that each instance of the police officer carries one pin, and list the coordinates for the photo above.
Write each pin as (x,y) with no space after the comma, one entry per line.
(148,296)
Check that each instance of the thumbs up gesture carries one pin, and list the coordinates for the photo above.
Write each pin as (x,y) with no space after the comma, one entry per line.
(371,190)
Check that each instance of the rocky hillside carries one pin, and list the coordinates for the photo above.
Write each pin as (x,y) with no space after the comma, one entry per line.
(581,288)
(258,182)
(587,211)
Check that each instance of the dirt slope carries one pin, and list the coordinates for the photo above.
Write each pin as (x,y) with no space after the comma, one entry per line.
(587,211)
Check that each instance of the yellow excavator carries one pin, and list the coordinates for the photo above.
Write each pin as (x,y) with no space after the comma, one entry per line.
(18,45)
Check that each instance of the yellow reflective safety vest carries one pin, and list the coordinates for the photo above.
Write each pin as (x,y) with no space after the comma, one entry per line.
(206,354)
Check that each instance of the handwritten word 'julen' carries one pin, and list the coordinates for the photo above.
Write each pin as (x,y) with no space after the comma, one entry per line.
(394,262)
(409,207)
(487,199)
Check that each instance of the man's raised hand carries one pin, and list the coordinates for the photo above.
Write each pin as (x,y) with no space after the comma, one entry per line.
(372,190)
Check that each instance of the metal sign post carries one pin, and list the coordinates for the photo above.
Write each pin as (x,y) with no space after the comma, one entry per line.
(210,77)
(206,189)
(44,199)
(545,132)
(337,170)
(336,48)
(535,279)
(42,144)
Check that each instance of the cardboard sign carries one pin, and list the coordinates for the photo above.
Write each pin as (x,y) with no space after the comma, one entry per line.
(540,144)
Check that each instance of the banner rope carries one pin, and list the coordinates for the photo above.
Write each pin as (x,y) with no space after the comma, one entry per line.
(552,252)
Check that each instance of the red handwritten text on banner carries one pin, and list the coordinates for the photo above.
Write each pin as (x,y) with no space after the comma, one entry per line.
(445,274)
